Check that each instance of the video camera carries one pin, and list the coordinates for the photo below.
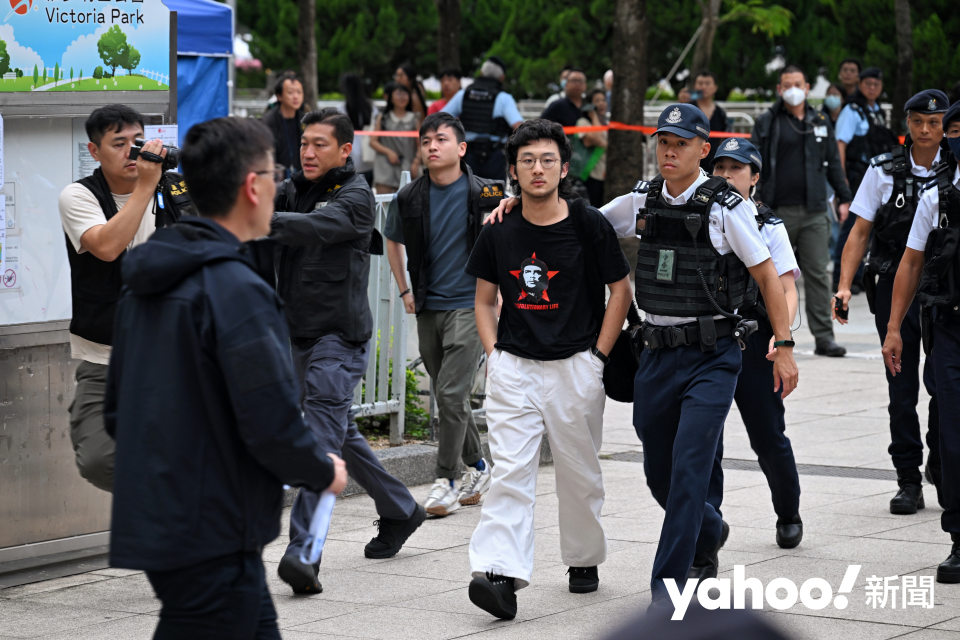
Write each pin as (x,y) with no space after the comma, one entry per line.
(171,162)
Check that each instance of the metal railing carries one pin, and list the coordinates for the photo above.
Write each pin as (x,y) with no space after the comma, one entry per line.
(383,390)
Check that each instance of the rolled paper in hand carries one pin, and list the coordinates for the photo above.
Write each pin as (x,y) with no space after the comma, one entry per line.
(319,526)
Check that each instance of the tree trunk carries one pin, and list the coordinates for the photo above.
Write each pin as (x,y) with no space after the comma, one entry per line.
(703,51)
(625,149)
(903,90)
(308,52)
(448,34)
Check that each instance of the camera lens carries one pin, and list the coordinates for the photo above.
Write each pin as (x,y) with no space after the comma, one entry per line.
(173,156)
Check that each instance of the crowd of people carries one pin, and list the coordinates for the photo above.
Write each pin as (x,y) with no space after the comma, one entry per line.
(252,309)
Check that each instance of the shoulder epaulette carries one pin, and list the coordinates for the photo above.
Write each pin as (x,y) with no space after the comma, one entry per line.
(731,199)
(642,186)
(876,161)
(773,220)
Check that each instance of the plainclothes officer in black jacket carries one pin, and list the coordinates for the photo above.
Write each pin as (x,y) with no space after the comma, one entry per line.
(202,400)
(103,216)
(932,261)
(885,204)
(325,228)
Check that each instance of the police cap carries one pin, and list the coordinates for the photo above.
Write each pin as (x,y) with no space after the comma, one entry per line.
(685,120)
(929,101)
(952,114)
(871,72)
(497,60)
(739,149)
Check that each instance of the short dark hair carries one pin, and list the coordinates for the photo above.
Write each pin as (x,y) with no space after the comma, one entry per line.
(539,129)
(792,68)
(111,117)
(851,61)
(216,158)
(451,71)
(595,92)
(577,70)
(434,121)
(708,74)
(342,126)
(286,75)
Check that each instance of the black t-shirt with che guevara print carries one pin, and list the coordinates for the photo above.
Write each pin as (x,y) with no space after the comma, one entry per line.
(546,312)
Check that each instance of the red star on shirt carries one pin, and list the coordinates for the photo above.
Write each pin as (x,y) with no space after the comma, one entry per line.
(523,294)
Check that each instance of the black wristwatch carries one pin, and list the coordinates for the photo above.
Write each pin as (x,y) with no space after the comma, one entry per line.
(604,359)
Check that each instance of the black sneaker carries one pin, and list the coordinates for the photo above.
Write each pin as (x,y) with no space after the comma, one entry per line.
(706,564)
(495,595)
(392,535)
(301,577)
(583,579)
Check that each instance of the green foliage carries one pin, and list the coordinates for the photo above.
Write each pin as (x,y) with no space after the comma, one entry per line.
(98,72)
(71,74)
(114,49)
(772,21)
(4,58)
(56,73)
(131,59)
(416,418)
(44,74)
(35,77)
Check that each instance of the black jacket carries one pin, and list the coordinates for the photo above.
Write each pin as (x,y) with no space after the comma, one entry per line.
(283,152)
(822,154)
(413,202)
(324,230)
(203,404)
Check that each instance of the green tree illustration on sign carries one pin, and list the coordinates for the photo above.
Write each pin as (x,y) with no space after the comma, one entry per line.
(56,73)
(71,74)
(114,50)
(132,60)
(4,58)
(98,72)
(35,76)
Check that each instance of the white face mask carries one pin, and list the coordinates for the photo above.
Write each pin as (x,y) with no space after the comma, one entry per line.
(794,96)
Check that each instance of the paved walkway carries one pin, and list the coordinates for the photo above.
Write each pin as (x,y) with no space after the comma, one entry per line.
(837,419)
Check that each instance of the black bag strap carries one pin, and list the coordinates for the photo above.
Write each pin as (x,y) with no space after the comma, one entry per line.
(581,226)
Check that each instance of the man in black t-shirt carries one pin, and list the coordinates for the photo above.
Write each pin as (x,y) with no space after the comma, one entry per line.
(545,367)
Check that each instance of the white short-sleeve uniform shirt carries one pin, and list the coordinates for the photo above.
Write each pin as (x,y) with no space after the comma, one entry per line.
(877,187)
(928,215)
(731,230)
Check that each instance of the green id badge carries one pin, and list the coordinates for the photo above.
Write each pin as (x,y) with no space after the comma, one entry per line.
(666,265)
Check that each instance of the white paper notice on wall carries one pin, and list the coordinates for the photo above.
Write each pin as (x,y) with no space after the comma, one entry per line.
(166,132)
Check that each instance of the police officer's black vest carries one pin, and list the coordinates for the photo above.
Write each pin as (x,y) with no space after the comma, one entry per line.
(893,220)
(667,278)
(477,113)
(95,284)
(940,282)
(753,307)
(878,139)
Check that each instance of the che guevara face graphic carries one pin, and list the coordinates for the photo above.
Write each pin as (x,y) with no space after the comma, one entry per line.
(534,279)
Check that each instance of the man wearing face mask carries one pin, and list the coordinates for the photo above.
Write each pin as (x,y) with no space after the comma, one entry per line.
(803,156)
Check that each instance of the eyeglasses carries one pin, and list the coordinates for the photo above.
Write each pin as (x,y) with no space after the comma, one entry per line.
(547,163)
(279,173)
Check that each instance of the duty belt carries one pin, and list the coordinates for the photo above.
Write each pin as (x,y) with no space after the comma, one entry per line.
(701,332)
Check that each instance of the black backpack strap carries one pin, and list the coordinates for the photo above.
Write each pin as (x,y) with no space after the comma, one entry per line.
(711,191)
(579,212)
(642,186)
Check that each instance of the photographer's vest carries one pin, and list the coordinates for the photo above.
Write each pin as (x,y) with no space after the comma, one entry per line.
(94,283)
(940,281)
(477,113)
(753,307)
(876,141)
(667,278)
(891,226)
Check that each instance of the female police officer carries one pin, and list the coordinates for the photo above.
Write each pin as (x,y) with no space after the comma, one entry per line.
(932,260)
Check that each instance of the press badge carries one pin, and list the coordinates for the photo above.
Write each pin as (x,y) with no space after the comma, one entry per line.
(666,265)
(820,131)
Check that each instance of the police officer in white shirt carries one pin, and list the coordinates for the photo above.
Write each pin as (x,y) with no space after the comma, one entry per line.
(932,261)
(885,204)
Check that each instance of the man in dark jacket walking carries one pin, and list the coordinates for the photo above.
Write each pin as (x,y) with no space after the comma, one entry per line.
(801,155)
(201,400)
(284,122)
(325,228)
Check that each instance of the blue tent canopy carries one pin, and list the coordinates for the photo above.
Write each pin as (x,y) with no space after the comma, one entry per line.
(204,56)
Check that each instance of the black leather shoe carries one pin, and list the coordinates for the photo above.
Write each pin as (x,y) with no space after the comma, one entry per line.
(789,534)
(392,535)
(494,594)
(583,579)
(949,570)
(910,496)
(706,564)
(301,577)
(934,475)
(830,349)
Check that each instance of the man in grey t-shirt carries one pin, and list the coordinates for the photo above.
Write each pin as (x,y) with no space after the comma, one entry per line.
(433,223)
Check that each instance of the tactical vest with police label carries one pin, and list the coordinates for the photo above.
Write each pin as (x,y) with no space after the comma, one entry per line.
(893,220)
(678,273)
(477,113)
(753,307)
(940,281)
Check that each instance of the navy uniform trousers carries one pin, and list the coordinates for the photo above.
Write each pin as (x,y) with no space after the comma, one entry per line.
(682,398)
(330,369)
(946,352)
(762,412)
(906,445)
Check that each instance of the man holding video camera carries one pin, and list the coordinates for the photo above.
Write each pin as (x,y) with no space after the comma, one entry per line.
(103,216)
